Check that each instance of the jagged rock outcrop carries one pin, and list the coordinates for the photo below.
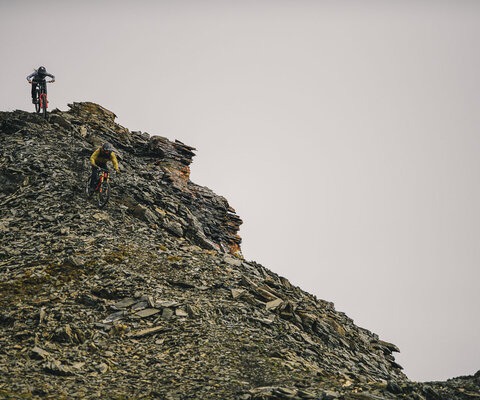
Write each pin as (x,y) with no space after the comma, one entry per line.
(151,297)
(156,187)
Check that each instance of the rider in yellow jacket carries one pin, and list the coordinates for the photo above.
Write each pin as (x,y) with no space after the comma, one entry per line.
(99,160)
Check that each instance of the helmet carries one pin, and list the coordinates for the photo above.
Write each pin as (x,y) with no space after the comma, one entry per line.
(107,148)
(42,70)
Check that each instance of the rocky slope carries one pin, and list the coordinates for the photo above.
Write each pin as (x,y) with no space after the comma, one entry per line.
(150,297)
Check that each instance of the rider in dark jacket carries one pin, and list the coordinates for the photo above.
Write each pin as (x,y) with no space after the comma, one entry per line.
(38,78)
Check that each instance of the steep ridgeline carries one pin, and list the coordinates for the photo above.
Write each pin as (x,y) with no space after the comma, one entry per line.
(150,297)
(156,188)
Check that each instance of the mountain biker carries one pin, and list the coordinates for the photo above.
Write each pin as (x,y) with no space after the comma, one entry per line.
(99,160)
(38,78)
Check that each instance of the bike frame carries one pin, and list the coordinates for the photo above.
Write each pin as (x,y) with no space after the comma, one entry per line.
(42,100)
(104,175)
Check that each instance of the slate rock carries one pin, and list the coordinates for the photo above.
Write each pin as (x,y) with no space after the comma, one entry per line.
(150,297)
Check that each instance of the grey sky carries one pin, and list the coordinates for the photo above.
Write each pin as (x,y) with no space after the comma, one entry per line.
(344,133)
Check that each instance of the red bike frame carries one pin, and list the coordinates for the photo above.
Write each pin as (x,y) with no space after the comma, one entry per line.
(42,99)
(104,175)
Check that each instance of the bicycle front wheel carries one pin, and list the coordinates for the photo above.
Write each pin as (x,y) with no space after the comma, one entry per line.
(44,105)
(103,194)
(37,104)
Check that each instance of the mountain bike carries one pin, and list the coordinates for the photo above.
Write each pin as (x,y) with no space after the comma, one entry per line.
(101,190)
(41,104)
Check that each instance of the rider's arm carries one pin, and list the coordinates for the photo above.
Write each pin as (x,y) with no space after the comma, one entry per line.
(93,157)
(51,76)
(29,77)
(114,160)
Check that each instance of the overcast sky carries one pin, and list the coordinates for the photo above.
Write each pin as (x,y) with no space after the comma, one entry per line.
(344,133)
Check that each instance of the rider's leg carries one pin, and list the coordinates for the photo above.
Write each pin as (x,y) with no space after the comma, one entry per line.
(34,88)
(94,176)
(96,173)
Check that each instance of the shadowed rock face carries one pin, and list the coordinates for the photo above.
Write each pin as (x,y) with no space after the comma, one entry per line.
(150,297)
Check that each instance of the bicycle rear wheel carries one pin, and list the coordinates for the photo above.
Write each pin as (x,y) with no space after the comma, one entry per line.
(89,190)
(103,194)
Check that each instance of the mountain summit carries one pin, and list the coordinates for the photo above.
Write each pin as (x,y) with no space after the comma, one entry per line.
(150,297)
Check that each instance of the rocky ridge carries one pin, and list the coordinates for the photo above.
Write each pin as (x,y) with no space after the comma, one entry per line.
(151,297)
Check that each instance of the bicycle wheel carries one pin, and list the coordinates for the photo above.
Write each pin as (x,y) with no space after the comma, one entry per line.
(37,104)
(103,194)
(88,188)
(44,105)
